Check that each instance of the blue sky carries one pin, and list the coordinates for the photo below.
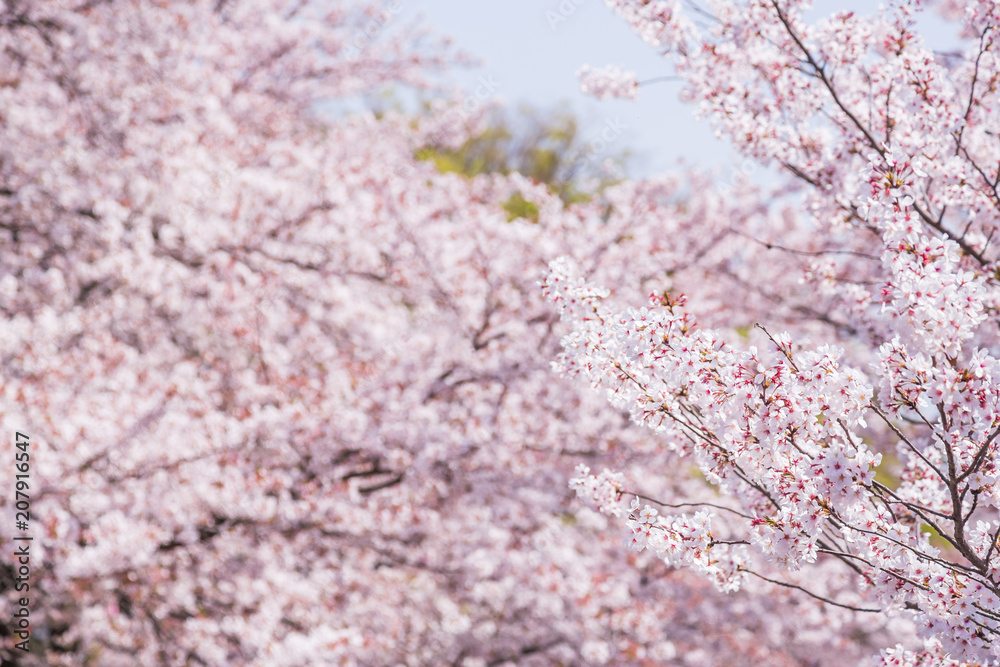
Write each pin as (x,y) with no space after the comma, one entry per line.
(534,58)
(535,61)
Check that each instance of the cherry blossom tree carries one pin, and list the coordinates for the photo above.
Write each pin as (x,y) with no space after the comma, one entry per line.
(868,438)
(289,387)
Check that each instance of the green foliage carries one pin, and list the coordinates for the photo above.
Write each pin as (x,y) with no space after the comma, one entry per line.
(544,147)
(743,332)
(884,474)
(445,161)
(935,538)
(519,207)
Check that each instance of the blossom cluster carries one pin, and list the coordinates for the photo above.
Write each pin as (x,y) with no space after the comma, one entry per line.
(608,82)
(869,423)
(292,387)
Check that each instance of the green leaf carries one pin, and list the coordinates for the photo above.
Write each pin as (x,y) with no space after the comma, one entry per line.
(519,207)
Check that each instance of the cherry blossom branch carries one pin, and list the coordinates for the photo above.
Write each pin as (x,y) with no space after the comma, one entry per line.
(679,505)
(803,253)
(909,444)
(872,142)
(972,89)
(811,594)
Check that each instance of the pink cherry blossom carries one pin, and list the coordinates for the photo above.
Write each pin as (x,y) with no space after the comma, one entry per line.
(296,397)
(608,82)
(888,145)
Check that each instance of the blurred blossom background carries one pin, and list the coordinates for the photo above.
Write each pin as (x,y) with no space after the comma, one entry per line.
(289,376)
